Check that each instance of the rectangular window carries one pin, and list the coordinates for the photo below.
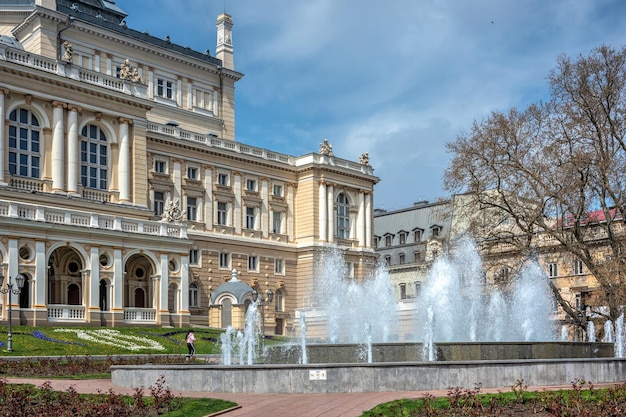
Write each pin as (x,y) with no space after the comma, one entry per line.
(278,190)
(252,263)
(418,288)
(402,259)
(435,231)
(194,257)
(193,295)
(165,88)
(192,173)
(402,238)
(224,260)
(388,260)
(578,267)
(222,179)
(277,222)
(553,270)
(159,203)
(376,242)
(279,266)
(192,208)
(417,235)
(417,257)
(388,240)
(221,214)
(159,166)
(251,185)
(249,217)
(403,291)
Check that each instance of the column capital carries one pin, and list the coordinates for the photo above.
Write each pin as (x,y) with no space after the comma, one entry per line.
(4,91)
(125,120)
(56,103)
(73,107)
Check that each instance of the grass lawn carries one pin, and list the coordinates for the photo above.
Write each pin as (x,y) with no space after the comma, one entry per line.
(66,342)
(78,341)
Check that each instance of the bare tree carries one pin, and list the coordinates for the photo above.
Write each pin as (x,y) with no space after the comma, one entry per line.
(556,172)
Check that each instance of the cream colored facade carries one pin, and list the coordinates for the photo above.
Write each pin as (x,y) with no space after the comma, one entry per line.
(125,198)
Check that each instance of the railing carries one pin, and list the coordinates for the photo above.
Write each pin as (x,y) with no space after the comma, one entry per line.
(76,72)
(139,315)
(214,142)
(26,211)
(60,312)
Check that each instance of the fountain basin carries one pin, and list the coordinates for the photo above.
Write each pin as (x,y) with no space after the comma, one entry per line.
(375,377)
(412,352)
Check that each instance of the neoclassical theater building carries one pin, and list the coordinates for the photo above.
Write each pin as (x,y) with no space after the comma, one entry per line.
(125,198)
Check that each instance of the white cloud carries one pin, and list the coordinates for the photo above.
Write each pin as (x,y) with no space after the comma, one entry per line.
(397,79)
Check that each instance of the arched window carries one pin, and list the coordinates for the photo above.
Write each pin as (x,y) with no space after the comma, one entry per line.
(343,217)
(93,158)
(24,144)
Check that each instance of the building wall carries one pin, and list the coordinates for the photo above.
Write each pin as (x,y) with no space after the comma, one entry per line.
(121,255)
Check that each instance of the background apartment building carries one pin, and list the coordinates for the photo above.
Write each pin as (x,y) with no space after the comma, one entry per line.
(124,196)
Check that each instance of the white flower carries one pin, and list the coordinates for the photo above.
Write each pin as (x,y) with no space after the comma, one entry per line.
(115,338)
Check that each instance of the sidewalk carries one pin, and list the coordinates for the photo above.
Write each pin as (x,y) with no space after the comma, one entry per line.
(276,405)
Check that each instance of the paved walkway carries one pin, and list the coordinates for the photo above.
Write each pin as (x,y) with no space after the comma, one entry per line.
(276,405)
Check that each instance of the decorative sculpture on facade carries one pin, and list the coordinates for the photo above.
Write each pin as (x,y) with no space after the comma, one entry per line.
(125,70)
(364,159)
(129,73)
(172,212)
(69,52)
(326,148)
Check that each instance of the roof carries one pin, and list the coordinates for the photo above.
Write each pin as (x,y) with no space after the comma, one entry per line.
(108,15)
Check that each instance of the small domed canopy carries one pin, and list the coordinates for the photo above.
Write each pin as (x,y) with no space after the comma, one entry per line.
(238,290)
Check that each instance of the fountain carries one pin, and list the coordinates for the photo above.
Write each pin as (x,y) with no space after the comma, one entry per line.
(457,333)
(457,316)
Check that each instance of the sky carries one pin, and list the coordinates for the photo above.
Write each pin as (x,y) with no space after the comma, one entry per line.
(395,78)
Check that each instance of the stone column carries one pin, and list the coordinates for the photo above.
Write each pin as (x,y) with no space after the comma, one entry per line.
(124,160)
(368,220)
(162,306)
(323,207)
(3,116)
(94,295)
(58,147)
(40,278)
(117,303)
(360,229)
(183,305)
(237,212)
(264,212)
(330,200)
(73,150)
(208,198)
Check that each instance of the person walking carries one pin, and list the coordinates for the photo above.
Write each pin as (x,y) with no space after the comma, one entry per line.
(191,347)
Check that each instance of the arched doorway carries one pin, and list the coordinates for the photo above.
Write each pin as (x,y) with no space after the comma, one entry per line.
(25,293)
(140,298)
(103,296)
(64,277)
(138,284)
(73,295)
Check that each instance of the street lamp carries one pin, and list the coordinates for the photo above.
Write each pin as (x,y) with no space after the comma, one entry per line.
(262,303)
(19,279)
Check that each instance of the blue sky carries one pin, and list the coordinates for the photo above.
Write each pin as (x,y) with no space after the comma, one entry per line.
(395,78)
